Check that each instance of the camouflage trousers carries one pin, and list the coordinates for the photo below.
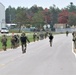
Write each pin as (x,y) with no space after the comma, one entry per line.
(24,47)
(4,48)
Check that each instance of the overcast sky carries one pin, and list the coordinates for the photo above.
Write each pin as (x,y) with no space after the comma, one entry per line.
(43,3)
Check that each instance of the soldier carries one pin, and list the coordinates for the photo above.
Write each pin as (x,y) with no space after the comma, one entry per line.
(74,40)
(67,33)
(46,34)
(12,42)
(18,41)
(50,38)
(41,36)
(4,42)
(24,40)
(34,37)
(73,34)
(37,36)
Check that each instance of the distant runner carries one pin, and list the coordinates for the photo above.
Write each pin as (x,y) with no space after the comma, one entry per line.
(50,38)
(67,33)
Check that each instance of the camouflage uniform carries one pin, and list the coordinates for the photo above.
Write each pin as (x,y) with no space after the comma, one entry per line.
(46,34)
(4,42)
(34,37)
(37,36)
(41,36)
(18,40)
(74,40)
(12,42)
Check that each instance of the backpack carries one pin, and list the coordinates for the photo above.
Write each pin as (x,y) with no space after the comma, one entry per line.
(4,40)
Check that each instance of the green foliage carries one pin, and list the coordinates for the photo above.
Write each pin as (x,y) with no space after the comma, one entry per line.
(54,15)
(38,19)
(21,17)
(34,9)
(37,16)
(72,19)
(10,14)
(71,7)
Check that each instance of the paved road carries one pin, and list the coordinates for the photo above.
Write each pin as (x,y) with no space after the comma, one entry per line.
(40,59)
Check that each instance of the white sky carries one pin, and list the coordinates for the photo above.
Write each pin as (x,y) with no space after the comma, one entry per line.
(43,3)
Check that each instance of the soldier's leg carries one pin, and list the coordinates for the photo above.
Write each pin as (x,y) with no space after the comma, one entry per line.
(75,46)
(12,45)
(25,48)
(50,43)
(22,47)
(34,39)
(4,48)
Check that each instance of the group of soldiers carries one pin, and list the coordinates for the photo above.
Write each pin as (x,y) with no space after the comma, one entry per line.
(23,39)
(14,41)
(40,36)
(37,36)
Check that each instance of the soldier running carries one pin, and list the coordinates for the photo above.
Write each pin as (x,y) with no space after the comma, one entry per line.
(24,40)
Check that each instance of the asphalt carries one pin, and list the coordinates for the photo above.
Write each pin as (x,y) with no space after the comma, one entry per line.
(40,58)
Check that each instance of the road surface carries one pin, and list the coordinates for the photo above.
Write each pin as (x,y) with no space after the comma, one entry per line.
(40,58)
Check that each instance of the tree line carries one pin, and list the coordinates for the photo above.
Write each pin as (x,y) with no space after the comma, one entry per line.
(37,16)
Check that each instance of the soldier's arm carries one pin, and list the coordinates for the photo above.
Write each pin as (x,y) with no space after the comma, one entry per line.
(27,39)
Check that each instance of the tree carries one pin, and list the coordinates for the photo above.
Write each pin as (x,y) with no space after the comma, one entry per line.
(63,16)
(62,19)
(47,16)
(54,15)
(34,9)
(71,7)
(38,19)
(10,14)
(21,16)
(72,19)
